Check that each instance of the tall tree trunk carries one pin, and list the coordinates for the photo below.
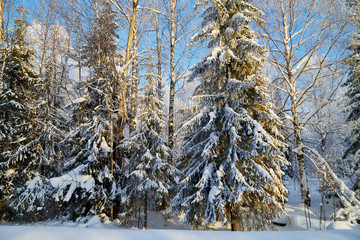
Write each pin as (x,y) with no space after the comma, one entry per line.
(233,220)
(172,74)
(146,210)
(305,195)
(53,81)
(158,50)
(134,85)
(111,141)
(123,84)
(2,41)
(132,31)
(43,57)
(77,46)
(1,20)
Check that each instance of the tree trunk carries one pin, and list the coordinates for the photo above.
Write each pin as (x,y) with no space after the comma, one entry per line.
(2,40)
(109,106)
(111,138)
(45,41)
(123,84)
(158,49)
(146,210)
(53,82)
(172,75)
(234,224)
(233,221)
(305,195)
(1,20)
(79,72)
(134,85)
(132,31)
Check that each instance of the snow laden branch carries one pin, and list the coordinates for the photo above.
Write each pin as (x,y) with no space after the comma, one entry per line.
(351,205)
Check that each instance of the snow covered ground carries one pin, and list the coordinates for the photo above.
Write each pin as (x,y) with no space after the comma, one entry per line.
(60,233)
(160,228)
(296,216)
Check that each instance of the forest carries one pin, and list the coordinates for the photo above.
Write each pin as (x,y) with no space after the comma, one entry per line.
(200,109)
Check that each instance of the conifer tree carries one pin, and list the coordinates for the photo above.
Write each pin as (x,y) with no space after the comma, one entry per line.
(353,83)
(52,119)
(149,177)
(23,168)
(231,155)
(88,183)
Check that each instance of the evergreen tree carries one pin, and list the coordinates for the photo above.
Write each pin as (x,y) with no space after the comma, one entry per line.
(23,168)
(149,177)
(353,83)
(52,118)
(231,155)
(101,49)
(88,183)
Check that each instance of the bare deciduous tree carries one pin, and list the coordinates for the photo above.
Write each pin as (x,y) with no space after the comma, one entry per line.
(180,19)
(123,75)
(7,10)
(301,36)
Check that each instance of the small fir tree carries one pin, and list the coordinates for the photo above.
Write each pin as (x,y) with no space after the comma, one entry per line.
(231,155)
(148,175)
(87,185)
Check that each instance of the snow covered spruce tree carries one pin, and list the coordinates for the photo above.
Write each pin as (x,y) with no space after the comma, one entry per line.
(24,169)
(231,155)
(89,179)
(353,93)
(148,175)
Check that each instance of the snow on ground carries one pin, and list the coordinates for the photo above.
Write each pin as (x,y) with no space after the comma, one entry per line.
(60,233)
(92,228)
(296,219)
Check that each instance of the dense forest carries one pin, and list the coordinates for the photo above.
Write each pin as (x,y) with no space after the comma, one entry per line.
(193,108)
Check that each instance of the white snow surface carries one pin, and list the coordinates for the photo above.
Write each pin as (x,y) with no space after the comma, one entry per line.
(160,228)
(59,233)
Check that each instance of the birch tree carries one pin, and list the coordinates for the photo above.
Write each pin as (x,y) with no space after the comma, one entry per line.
(180,19)
(172,73)
(158,51)
(301,37)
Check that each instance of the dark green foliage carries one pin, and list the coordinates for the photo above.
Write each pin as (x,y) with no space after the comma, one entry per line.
(232,153)
(149,176)
(353,83)
(88,184)
(23,169)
